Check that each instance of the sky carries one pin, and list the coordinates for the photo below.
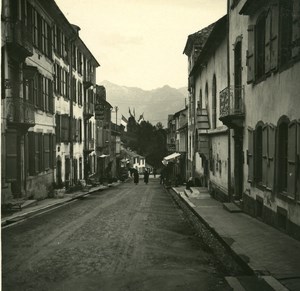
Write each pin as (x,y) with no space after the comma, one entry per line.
(140,43)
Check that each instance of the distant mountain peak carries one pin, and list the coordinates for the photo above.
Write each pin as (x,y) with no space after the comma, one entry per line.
(156,104)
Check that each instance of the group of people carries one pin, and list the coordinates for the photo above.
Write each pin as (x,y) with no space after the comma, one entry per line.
(136,177)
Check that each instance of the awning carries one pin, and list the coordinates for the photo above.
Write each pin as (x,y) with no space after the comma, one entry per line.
(170,158)
(103,156)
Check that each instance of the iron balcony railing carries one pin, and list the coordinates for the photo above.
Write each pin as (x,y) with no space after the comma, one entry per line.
(88,109)
(232,101)
(19,111)
(89,79)
(89,145)
(20,38)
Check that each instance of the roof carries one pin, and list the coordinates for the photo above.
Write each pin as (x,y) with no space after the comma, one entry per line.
(218,33)
(197,38)
(180,111)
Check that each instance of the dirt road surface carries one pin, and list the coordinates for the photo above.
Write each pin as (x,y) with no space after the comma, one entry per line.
(133,237)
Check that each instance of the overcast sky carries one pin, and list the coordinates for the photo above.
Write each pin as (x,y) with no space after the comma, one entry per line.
(139,43)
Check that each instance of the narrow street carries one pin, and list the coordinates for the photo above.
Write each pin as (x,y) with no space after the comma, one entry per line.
(133,237)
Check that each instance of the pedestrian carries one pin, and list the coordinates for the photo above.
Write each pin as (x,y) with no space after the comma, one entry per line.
(154,173)
(146,177)
(162,176)
(136,177)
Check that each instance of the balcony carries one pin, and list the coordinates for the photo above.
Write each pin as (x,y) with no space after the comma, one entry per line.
(89,145)
(20,113)
(232,107)
(88,110)
(19,41)
(89,79)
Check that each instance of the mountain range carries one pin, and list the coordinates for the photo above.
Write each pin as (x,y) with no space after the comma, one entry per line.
(155,104)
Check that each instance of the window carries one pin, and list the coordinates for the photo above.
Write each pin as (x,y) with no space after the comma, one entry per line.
(214,102)
(260,46)
(58,128)
(238,75)
(65,128)
(258,153)
(282,154)
(261,156)
(79,93)
(286,23)
(46,157)
(288,157)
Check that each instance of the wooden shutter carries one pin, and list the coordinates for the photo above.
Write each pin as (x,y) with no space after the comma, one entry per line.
(36,153)
(271,157)
(298,161)
(264,155)
(46,157)
(53,148)
(274,37)
(268,42)
(31,153)
(250,54)
(11,156)
(296,29)
(250,158)
(292,158)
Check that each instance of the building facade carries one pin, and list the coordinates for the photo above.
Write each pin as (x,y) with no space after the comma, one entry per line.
(252,109)
(48,85)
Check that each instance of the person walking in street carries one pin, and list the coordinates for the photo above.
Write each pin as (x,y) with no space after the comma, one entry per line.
(154,173)
(136,177)
(146,177)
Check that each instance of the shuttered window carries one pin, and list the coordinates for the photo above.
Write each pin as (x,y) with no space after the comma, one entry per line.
(65,128)
(292,159)
(53,149)
(250,159)
(268,156)
(282,156)
(46,148)
(296,29)
(298,161)
(250,54)
(11,156)
(31,153)
(260,30)
(286,19)
(271,157)
(258,154)
(268,42)
(274,37)
(264,155)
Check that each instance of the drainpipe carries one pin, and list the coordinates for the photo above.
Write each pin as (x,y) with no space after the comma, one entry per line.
(228,84)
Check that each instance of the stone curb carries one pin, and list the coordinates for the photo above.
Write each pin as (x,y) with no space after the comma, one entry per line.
(17,218)
(239,260)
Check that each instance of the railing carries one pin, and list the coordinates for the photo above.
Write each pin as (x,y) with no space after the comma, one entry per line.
(232,101)
(18,35)
(88,109)
(89,79)
(89,145)
(20,111)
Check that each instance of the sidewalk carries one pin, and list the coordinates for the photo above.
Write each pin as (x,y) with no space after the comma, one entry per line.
(49,203)
(266,250)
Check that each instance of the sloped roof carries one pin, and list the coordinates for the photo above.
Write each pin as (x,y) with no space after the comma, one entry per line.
(197,38)
(216,36)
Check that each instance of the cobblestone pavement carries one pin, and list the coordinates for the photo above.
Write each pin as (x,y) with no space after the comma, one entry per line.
(129,238)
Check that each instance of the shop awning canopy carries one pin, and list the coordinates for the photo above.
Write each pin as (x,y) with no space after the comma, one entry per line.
(170,158)
(103,156)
